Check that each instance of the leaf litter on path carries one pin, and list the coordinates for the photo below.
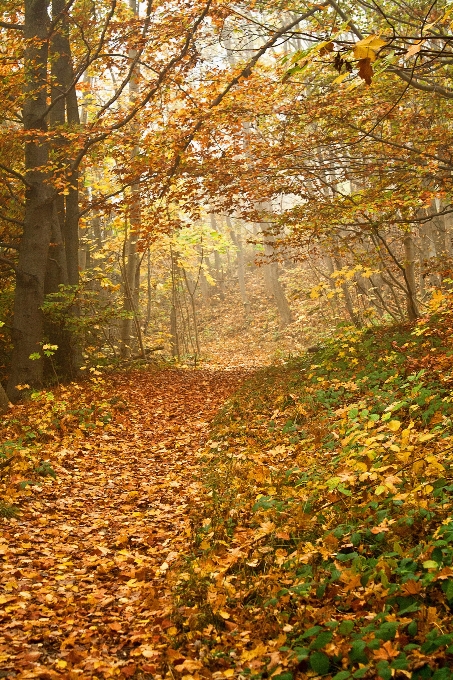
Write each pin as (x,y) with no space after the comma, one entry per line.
(83,591)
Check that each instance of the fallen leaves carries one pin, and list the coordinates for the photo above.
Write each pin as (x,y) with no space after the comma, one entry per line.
(84,587)
(334,530)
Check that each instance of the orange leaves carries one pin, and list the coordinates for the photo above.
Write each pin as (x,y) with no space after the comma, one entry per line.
(366,70)
(414,49)
(387,651)
(411,587)
(87,565)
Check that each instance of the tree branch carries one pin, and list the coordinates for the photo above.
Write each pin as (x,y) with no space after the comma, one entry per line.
(245,73)
(418,85)
(11,220)
(409,79)
(15,174)
(5,260)
(9,245)
(15,27)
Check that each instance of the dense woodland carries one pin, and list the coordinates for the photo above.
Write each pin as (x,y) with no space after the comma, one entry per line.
(150,154)
(240,206)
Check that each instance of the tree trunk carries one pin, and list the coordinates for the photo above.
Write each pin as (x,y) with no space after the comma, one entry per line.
(132,268)
(4,401)
(31,269)
(219,277)
(277,288)
(409,274)
(148,294)
(59,260)
(174,331)
(348,298)
(271,277)
(237,240)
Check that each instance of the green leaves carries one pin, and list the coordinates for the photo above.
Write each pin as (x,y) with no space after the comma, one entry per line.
(45,469)
(319,662)
(356,519)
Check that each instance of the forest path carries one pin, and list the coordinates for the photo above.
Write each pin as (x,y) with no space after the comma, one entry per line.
(83,588)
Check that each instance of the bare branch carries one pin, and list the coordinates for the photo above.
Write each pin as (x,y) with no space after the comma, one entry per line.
(14,27)
(12,246)
(11,220)
(5,260)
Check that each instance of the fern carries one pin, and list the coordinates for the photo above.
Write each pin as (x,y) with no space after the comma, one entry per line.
(8,511)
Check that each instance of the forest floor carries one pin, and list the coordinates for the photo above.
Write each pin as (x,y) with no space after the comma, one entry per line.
(83,590)
(230,336)
(289,522)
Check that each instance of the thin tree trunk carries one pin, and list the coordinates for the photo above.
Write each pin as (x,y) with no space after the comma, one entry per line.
(271,277)
(174,334)
(148,294)
(191,289)
(348,298)
(237,240)
(409,270)
(218,265)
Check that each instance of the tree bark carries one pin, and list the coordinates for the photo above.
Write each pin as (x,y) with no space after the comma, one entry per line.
(271,276)
(409,271)
(276,287)
(31,269)
(4,401)
(132,268)
(219,277)
(237,240)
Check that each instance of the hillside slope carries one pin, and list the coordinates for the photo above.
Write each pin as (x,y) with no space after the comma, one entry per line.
(325,544)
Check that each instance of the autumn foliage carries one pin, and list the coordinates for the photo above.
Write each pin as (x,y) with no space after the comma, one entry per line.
(226,263)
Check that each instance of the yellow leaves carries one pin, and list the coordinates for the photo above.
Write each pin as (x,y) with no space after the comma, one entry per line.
(364,52)
(258,474)
(373,41)
(394,425)
(339,79)
(258,652)
(351,580)
(368,48)
(316,291)
(425,437)
(264,529)
(437,297)
(5,598)
(430,564)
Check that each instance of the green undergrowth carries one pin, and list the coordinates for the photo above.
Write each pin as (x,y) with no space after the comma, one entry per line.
(325,543)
